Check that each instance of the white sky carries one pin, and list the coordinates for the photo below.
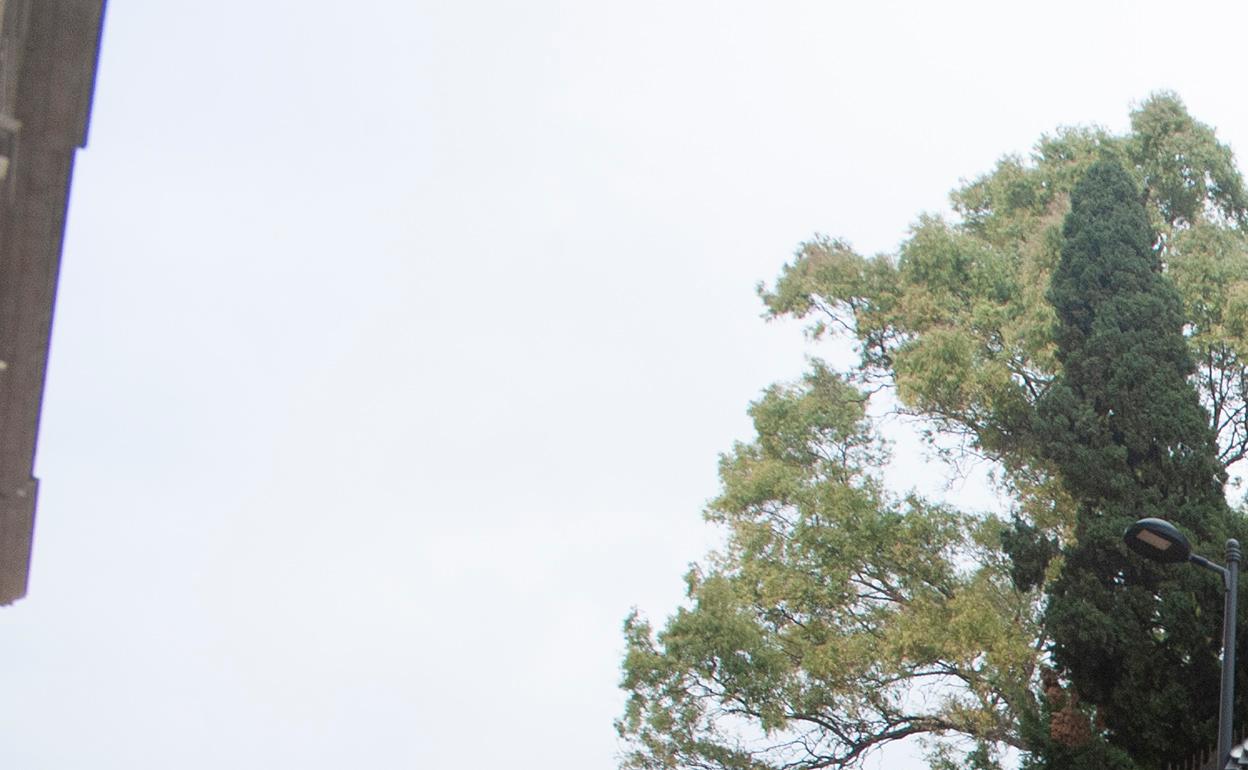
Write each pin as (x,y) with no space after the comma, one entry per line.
(396,342)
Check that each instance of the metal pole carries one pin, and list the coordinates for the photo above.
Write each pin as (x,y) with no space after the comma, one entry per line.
(1231,585)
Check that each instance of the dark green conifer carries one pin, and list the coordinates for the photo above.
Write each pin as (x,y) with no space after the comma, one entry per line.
(1123,427)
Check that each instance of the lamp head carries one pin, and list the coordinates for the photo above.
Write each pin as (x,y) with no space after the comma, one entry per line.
(1159,540)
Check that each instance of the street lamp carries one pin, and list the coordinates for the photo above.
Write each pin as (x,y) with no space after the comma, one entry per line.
(1159,540)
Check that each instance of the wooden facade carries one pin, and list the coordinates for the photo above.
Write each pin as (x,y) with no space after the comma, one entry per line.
(48,54)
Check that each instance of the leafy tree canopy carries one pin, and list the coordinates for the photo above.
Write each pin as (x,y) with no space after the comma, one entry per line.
(806,639)
(839,618)
(1128,437)
(957,321)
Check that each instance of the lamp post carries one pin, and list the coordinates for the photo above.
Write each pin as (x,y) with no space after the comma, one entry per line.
(1159,540)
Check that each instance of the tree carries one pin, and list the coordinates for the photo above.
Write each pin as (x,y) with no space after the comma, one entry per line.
(958,326)
(1126,433)
(806,639)
(958,323)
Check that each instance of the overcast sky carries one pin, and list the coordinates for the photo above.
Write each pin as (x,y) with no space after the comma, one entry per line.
(396,341)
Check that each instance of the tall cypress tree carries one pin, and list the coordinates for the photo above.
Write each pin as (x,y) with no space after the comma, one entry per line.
(1127,434)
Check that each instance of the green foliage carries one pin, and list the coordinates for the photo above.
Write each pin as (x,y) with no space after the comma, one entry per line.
(1063,735)
(1127,434)
(838,618)
(808,638)
(958,320)
(1030,550)
(1191,176)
